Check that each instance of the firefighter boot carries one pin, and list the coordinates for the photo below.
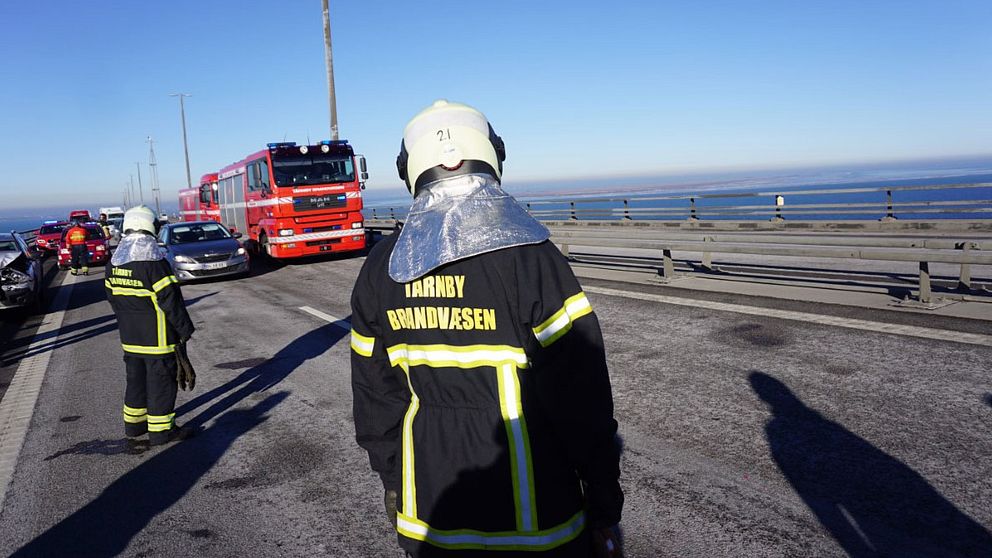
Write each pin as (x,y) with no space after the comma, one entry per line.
(175,434)
(74,271)
(86,271)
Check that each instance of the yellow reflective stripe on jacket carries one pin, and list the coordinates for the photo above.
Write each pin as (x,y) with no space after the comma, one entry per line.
(409,477)
(127,291)
(145,350)
(469,539)
(561,321)
(164,282)
(162,347)
(361,344)
(160,423)
(456,356)
(134,415)
(521,464)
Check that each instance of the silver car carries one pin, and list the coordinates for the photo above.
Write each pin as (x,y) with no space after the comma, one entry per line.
(202,249)
(20,273)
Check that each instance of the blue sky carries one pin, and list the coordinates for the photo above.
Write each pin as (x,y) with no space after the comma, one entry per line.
(576,89)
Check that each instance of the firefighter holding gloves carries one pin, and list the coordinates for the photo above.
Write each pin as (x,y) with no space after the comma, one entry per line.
(481,391)
(154,327)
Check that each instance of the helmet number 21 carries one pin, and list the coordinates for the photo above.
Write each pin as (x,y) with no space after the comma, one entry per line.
(444,134)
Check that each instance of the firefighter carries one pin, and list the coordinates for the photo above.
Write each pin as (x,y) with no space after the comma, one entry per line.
(104,224)
(481,391)
(153,325)
(75,238)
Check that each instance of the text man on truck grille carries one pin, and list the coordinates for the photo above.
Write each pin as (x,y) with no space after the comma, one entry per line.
(480,384)
(152,321)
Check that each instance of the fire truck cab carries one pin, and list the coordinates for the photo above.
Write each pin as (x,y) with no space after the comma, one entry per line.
(294,200)
(200,203)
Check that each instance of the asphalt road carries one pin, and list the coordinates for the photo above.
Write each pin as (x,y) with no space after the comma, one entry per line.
(744,435)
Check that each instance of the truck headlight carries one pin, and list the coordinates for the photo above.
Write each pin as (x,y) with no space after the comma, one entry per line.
(357,225)
(184,259)
(285,232)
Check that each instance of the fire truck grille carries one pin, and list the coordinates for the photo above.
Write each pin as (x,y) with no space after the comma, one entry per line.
(324,242)
(213,258)
(314,203)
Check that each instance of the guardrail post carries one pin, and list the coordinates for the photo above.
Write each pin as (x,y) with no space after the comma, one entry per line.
(707,256)
(373,213)
(890,214)
(668,267)
(392,214)
(779,202)
(564,249)
(692,210)
(528,207)
(964,281)
(925,293)
(573,216)
(626,210)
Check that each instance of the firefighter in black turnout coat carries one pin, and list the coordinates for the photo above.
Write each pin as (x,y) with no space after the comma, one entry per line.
(481,391)
(152,321)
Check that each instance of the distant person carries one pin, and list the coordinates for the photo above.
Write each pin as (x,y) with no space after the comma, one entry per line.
(104,224)
(481,391)
(75,238)
(153,325)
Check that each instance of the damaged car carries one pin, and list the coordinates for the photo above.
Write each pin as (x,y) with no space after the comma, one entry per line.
(20,273)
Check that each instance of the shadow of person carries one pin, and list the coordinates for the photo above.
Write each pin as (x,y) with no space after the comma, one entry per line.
(106,525)
(267,374)
(870,502)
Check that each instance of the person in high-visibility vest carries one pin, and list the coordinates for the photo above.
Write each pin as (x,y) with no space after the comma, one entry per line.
(75,238)
(481,390)
(153,324)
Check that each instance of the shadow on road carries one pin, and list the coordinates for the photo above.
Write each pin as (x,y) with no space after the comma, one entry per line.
(105,526)
(264,375)
(870,502)
(988,399)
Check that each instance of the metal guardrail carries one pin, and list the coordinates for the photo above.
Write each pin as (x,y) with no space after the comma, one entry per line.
(897,203)
(924,251)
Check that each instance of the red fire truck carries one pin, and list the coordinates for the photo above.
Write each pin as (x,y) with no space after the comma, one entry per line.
(296,200)
(200,203)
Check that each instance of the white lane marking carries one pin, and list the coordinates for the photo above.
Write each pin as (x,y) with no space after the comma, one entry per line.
(343,324)
(851,323)
(17,405)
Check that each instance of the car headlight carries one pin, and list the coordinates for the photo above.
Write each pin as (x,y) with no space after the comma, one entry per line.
(285,232)
(184,259)
(240,252)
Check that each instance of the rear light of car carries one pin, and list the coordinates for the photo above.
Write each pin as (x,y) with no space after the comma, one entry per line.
(101,247)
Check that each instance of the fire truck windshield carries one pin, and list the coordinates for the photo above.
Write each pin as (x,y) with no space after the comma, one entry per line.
(317,168)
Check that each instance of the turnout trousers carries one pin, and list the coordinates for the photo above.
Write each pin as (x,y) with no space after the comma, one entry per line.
(80,257)
(150,397)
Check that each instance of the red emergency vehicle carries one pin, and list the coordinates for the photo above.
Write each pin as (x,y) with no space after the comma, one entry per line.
(296,200)
(96,244)
(200,203)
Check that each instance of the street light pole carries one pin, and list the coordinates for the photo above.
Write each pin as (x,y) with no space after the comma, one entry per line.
(154,169)
(182,117)
(140,189)
(330,70)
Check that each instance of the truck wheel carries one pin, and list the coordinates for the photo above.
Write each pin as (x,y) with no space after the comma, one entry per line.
(263,246)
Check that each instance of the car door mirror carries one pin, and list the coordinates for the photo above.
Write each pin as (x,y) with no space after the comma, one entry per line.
(237,235)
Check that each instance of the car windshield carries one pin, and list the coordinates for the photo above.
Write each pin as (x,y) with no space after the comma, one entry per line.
(300,170)
(184,234)
(8,246)
(49,229)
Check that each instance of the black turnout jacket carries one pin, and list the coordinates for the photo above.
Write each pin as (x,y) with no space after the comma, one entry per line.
(151,313)
(482,396)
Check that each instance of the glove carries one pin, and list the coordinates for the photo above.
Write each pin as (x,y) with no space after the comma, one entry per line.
(389,500)
(185,374)
(607,542)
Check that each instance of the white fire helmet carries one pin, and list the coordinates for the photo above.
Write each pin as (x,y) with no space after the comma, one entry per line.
(139,218)
(448,139)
